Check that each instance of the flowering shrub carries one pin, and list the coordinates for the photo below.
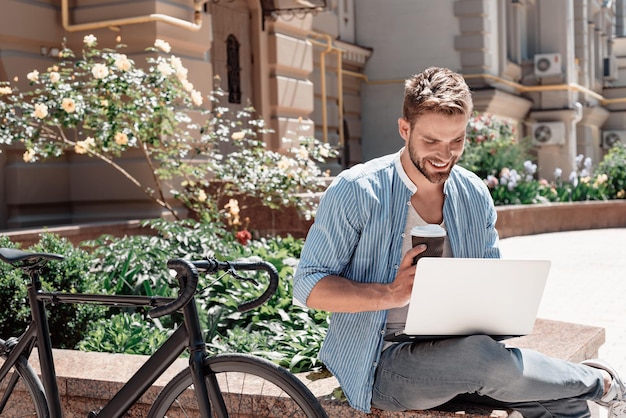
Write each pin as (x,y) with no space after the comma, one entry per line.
(102,104)
(492,152)
(491,145)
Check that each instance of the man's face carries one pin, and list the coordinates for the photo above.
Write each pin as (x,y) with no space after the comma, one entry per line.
(434,143)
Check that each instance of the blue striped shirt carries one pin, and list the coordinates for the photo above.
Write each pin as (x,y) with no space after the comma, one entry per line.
(357,235)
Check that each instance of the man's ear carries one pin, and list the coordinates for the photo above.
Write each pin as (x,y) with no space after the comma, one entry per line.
(404,127)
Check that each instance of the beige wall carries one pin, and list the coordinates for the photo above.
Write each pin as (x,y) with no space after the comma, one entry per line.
(337,74)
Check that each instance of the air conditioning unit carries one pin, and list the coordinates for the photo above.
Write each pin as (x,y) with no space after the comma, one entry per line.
(548,133)
(547,65)
(610,138)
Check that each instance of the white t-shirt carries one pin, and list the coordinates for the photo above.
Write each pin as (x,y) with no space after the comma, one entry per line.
(396,318)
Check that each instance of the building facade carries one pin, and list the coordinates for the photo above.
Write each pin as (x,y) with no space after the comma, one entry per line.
(553,67)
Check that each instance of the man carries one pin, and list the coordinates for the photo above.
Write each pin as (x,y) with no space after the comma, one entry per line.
(357,263)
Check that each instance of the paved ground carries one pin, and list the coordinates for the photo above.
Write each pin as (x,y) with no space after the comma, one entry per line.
(587,282)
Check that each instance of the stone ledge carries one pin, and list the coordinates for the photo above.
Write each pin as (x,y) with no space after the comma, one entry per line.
(516,220)
(573,342)
(88,379)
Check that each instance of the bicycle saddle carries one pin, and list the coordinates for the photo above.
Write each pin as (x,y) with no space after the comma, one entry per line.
(13,255)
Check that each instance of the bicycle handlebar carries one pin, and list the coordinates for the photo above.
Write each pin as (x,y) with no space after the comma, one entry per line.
(212,266)
(187,274)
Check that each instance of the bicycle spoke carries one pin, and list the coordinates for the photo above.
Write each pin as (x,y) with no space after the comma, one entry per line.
(250,388)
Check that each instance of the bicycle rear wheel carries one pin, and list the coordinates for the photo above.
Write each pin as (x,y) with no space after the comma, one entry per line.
(21,392)
(250,387)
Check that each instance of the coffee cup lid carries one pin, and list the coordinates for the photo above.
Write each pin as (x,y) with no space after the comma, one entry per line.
(430,230)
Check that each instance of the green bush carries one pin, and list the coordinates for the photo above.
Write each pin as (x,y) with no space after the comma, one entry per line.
(14,313)
(613,166)
(278,330)
(128,333)
(75,274)
(68,322)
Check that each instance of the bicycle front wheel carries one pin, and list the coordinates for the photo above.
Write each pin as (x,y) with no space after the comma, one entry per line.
(21,392)
(250,387)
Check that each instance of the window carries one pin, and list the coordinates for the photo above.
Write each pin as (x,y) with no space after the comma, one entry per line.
(516,31)
(234,70)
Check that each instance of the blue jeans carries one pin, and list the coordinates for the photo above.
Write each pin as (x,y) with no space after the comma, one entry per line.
(423,375)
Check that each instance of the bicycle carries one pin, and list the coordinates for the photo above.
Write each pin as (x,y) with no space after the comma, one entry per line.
(212,386)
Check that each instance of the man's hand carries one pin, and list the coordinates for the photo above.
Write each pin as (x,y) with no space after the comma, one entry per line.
(402,285)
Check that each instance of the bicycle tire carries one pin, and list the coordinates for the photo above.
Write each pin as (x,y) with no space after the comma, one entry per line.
(27,398)
(237,374)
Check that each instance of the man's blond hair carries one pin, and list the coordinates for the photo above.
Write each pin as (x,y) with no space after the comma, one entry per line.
(436,90)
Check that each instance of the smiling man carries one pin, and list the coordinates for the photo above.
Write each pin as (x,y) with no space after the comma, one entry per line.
(357,263)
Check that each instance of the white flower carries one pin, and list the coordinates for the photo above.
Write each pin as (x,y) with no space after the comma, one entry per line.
(283,164)
(179,68)
(196,97)
(28,155)
(5,90)
(90,40)
(303,153)
(579,159)
(176,62)
(557,173)
(55,77)
(202,196)
(187,85)
(81,147)
(33,76)
(121,138)
(573,178)
(324,152)
(68,104)
(122,62)
(99,71)
(181,74)
(529,167)
(41,110)
(238,135)
(233,207)
(162,45)
(165,69)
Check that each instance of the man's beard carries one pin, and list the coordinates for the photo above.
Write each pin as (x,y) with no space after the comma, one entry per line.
(420,164)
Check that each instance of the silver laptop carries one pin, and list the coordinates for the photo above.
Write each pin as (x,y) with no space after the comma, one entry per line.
(463,296)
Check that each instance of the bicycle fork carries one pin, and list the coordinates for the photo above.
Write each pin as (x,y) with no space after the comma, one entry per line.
(197,354)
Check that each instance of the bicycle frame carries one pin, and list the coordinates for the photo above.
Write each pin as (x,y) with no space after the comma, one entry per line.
(187,336)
